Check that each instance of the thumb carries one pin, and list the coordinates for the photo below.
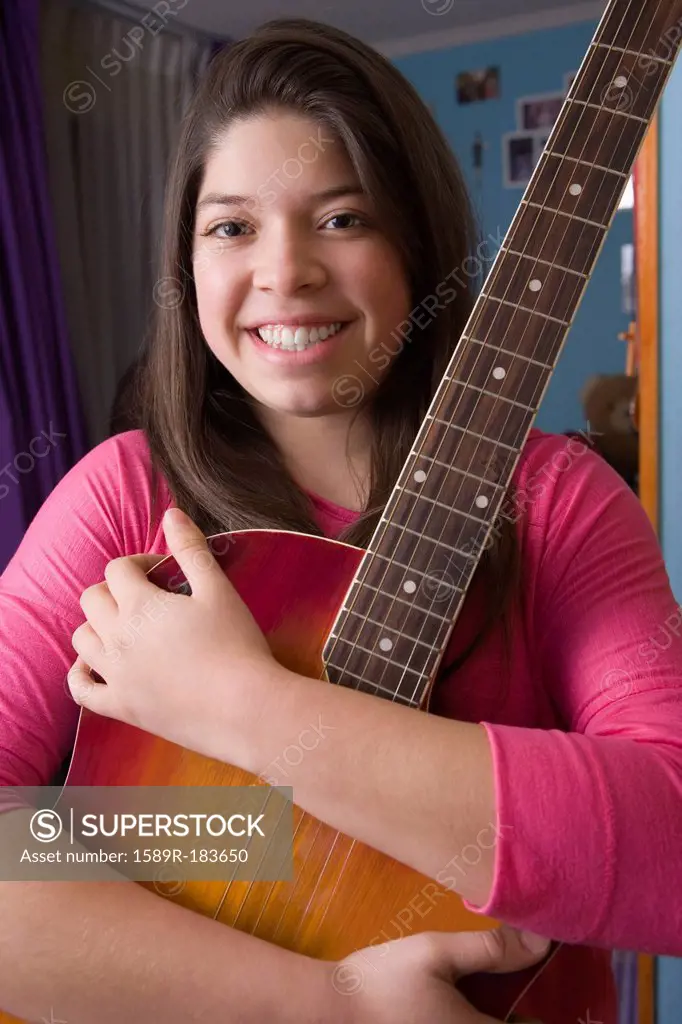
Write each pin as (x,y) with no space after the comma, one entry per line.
(189,547)
(498,950)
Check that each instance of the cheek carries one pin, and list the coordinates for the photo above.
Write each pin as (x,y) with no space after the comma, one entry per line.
(385,284)
(215,301)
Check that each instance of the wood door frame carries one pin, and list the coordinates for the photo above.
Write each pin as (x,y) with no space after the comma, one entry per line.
(647,257)
(646,224)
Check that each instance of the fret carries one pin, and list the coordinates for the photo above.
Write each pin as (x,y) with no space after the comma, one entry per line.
(548,209)
(411,569)
(533,336)
(642,28)
(519,280)
(480,437)
(382,626)
(350,680)
(633,53)
(479,479)
(355,646)
(618,82)
(546,263)
(394,615)
(514,355)
(401,600)
(614,110)
(440,543)
(441,504)
(434,520)
(603,137)
(525,309)
(586,163)
(441,477)
(401,616)
(498,397)
(555,237)
(587,192)
(521,374)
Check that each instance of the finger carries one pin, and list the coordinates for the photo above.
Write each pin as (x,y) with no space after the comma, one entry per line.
(85,690)
(99,607)
(498,950)
(86,642)
(189,547)
(126,578)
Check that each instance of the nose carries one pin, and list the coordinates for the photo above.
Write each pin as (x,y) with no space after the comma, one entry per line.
(287,261)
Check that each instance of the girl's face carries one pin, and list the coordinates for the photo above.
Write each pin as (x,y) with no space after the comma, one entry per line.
(286,242)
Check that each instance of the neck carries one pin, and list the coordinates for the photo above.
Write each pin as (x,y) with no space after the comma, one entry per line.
(325,454)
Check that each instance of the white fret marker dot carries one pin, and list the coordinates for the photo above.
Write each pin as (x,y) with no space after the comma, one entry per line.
(482,501)
(620,82)
(575,189)
(409,587)
(499,372)
(535,285)
(385,644)
(420,476)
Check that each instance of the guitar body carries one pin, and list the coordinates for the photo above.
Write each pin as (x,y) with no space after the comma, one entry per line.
(345,895)
(341,898)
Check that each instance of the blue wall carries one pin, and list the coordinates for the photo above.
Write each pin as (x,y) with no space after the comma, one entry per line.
(670,971)
(532,63)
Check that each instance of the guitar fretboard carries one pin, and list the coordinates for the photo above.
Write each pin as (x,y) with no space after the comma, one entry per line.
(398,615)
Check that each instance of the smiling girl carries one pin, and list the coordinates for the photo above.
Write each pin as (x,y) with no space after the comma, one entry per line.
(312,207)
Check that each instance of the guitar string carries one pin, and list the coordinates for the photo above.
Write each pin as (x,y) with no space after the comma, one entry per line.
(319,825)
(561,162)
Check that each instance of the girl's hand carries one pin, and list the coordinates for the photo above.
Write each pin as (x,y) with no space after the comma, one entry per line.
(412,980)
(172,664)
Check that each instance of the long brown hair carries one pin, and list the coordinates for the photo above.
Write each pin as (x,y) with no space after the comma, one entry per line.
(221,465)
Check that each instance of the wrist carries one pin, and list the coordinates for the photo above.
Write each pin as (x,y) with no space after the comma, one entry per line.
(334,1001)
(244,730)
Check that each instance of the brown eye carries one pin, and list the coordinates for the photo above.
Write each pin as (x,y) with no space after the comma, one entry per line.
(346,216)
(216,231)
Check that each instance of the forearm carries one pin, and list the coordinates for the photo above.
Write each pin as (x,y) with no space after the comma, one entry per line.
(103,952)
(418,787)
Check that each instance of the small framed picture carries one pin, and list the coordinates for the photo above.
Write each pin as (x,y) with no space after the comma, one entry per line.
(541,139)
(568,80)
(520,153)
(534,112)
(518,158)
(475,86)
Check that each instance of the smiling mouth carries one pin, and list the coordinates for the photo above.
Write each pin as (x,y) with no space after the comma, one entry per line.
(297,339)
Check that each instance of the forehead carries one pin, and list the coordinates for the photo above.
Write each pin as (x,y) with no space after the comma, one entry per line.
(286,151)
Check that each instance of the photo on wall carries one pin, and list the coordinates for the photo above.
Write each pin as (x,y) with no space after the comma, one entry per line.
(520,153)
(535,112)
(476,86)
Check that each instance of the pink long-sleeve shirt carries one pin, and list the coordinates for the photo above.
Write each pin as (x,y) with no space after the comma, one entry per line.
(585,720)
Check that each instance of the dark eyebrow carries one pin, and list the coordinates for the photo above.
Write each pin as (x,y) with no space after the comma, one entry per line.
(222,199)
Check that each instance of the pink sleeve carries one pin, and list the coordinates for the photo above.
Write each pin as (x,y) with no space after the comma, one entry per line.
(98,511)
(592,852)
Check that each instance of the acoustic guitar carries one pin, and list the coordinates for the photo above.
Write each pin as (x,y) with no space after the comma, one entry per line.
(379,620)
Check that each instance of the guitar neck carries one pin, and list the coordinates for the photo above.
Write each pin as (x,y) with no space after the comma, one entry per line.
(408,592)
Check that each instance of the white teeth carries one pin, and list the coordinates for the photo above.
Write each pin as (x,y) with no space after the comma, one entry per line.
(298,338)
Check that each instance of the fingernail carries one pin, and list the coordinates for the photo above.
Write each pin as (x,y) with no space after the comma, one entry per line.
(534,943)
(174,516)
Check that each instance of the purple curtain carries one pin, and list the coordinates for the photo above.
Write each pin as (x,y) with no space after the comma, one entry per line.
(42,430)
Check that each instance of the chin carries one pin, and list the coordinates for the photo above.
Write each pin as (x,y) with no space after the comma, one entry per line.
(304,405)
